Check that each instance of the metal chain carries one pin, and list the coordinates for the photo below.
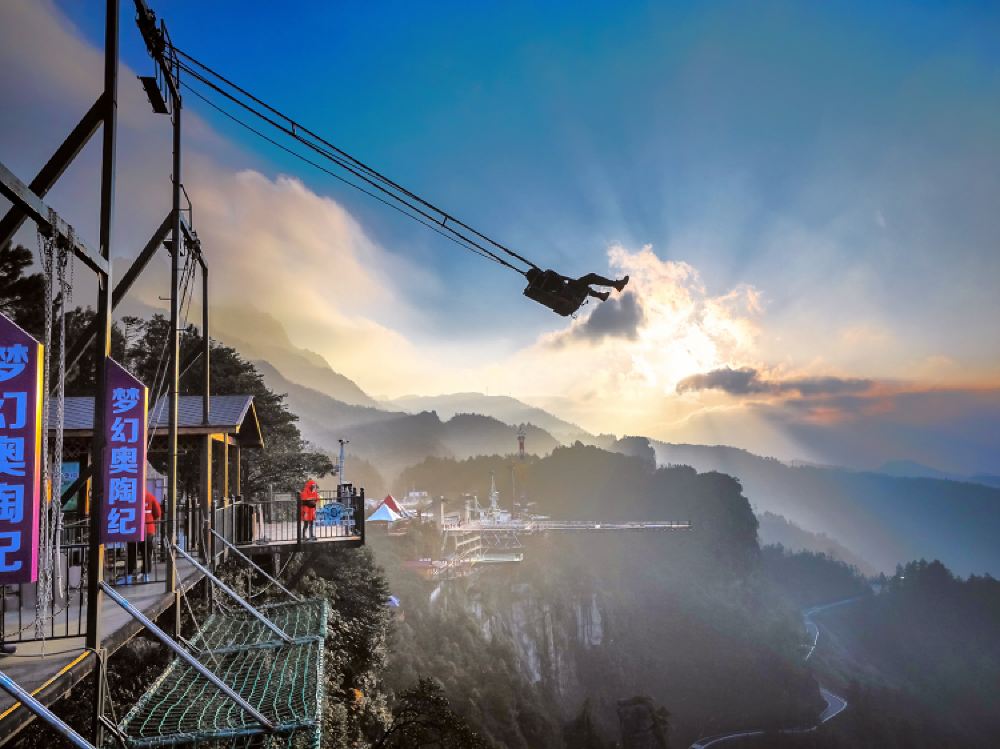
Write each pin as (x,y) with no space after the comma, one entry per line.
(43,587)
(57,459)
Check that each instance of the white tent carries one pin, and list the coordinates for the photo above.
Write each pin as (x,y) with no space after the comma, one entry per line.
(385,514)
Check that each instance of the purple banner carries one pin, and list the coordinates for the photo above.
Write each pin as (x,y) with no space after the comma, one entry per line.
(124,469)
(20,453)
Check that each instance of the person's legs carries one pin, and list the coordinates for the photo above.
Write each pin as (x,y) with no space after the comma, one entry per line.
(595,279)
(6,648)
(131,558)
(147,556)
(602,295)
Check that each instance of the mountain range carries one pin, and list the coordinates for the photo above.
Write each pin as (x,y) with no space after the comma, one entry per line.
(502,407)
(393,440)
(871,519)
(883,519)
(270,343)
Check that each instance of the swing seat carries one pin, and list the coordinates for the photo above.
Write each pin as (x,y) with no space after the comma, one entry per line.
(551,290)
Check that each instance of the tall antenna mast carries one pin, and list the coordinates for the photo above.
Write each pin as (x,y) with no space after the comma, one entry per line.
(340,463)
(494,494)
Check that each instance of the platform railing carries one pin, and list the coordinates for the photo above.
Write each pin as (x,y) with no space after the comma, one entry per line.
(125,565)
(278,519)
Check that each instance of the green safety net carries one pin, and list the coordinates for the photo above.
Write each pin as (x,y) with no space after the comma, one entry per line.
(283,681)
(299,620)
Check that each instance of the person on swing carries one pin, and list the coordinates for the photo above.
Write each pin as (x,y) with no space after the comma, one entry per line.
(566,295)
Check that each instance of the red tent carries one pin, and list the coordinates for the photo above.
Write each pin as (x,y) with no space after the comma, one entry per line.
(393,505)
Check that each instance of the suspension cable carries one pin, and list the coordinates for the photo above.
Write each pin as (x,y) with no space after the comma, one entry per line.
(292,128)
(291,132)
(341,178)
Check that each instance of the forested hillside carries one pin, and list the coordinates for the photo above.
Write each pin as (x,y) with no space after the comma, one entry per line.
(775,529)
(688,618)
(918,663)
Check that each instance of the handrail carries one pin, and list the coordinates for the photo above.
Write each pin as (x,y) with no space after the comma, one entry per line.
(256,566)
(184,655)
(18,692)
(236,597)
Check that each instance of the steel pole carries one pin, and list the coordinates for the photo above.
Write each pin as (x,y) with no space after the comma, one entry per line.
(188,658)
(206,347)
(282,635)
(16,691)
(95,560)
(175,269)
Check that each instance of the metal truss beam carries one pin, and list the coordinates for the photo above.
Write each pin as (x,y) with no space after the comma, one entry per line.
(22,196)
(121,289)
(55,166)
(256,566)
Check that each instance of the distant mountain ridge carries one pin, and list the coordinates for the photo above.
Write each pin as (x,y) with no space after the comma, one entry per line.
(913,470)
(394,440)
(907,511)
(774,529)
(502,407)
(270,343)
(884,519)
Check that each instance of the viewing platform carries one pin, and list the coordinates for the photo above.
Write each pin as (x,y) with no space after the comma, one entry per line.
(276,522)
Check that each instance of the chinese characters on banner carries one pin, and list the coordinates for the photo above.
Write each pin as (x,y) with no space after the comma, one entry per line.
(20,453)
(125,412)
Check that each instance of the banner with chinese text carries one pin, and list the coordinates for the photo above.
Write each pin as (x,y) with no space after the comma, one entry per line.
(124,469)
(20,453)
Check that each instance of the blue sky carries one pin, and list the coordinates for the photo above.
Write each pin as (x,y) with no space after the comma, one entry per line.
(560,127)
(816,183)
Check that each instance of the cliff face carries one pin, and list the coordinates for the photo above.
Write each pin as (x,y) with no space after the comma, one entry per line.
(549,637)
(590,619)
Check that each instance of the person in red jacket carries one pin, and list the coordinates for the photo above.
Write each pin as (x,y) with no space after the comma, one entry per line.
(152,512)
(310,498)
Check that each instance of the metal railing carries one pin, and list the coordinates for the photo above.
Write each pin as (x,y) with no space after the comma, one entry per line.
(282,519)
(247,524)
(125,565)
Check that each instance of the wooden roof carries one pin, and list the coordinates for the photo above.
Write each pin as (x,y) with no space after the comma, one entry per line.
(228,414)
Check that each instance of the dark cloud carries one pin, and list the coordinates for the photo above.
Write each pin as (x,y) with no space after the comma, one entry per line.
(748,381)
(735,381)
(618,317)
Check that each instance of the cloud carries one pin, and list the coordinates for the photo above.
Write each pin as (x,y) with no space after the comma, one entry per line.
(747,381)
(733,381)
(619,317)
(626,382)
(664,328)
(271,242)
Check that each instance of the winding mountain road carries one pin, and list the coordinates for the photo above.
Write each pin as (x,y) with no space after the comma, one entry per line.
(835,704)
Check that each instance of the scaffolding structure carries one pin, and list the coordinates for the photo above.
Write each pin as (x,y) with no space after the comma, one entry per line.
(177,235)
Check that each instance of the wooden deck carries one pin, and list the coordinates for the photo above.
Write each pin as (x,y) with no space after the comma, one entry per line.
(51,668)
